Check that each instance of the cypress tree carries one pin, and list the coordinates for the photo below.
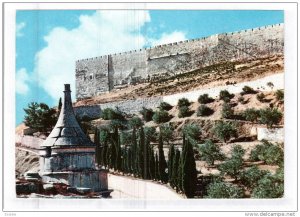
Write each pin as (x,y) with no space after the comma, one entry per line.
(135,159)
(151,164)
(162,161)
(175,165)
(180,165)
(189,172)
(119,155)
(141,153)
(113,148)
(157,177)
(171,156)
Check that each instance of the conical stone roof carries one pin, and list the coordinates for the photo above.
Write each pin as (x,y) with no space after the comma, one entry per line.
(67,131)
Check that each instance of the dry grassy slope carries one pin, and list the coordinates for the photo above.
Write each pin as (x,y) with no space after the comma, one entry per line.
(26,161)
(210,76)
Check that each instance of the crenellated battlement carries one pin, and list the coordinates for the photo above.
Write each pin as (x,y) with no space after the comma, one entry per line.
(101,74)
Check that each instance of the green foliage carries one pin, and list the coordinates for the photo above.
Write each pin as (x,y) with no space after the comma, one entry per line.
(192,132)
(231,167)
(227,111)
(224,190)
(183,102)
(270,116)
(268,152)
(248,90)
(270,186)
(161,116)
(126,138)
(171,158)
(184,111)
(204,99)
(225,95)
(260,97)
(251,114)
(204,110)
(189,172)
(38,116)
(162,162)
(210,152)
(237,152)
(241,99)
(166,132)
(150,134)
(279,95)
(175,166)
(59,105)
(251,176)
(111,114)
(224,131)
(135,122)
(147,114)
(165,106)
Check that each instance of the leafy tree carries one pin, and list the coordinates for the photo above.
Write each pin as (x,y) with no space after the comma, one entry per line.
(126,138)
(279,95)
(152,164)
(162,162)
(189,172)
(204,99)
(224,131)
(147,114)
(210,152)
(270,186)
(233,165)
(248,90)
(38,116)
(192,132)
(150,134)
(268,152)
(251,114)
(165,106)
(204,110)
(161,116)
(251,176)
(224,190)
(227,111)
(225,95)
(135,122)
(184,111)
(270,116)
(242,100)
(166,132)
(111,114)
(183,102)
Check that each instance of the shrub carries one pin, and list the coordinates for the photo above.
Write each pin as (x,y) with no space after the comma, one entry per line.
(147,114)
(224,131)
(251,114)
(241,99)
(183,102)
(237,152)
(165,106)
(224,190)
(231,167)
(204,99)
(225,95)
(184,111)
(192,132)
(204,110)
(270,186)
(161,116)
(166,132)
(268,152)
(111,114)
(279,95)
(150,134)
(210,152)
(260,97)
(251,176)
(248,90)
(227,111)
(135,122)
(270,116)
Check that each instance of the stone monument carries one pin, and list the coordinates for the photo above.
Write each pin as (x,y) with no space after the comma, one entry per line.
(68,156)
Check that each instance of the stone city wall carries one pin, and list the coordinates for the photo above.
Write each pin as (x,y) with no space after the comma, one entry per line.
(101,74)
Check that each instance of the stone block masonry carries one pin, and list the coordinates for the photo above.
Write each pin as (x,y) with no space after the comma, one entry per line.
(99,75)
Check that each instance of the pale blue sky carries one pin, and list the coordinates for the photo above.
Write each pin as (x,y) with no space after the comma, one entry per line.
(49,42)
